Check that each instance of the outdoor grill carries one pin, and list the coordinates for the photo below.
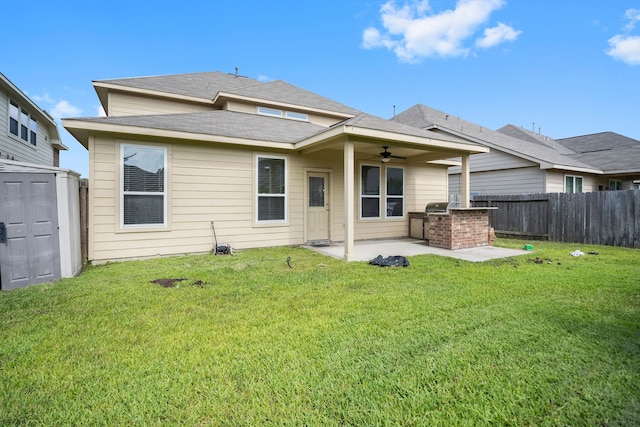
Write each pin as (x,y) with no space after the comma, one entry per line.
(439,207)
(421,226)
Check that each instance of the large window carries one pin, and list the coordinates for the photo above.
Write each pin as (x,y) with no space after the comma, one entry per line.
(371,196)
(572,184)
(271,176)
(144,201)
(370,192)
(395,192)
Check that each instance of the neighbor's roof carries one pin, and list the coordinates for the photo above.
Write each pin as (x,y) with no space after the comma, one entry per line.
(209,86)
(609,151)
(548,157)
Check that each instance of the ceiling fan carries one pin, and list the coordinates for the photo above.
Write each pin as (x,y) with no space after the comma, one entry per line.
(386,155)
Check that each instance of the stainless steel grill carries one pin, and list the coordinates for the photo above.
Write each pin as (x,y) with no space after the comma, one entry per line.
(436,207)
(439,207)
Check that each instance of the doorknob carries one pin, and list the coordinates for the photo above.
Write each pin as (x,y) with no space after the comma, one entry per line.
(3,233)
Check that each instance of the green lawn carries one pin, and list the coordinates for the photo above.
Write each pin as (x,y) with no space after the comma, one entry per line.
(540,339)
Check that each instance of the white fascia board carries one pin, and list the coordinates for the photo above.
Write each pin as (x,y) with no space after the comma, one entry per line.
(284,105)
(121,88)
(415,140)
(354,131)
(446,163)
(545,166)
(171,134)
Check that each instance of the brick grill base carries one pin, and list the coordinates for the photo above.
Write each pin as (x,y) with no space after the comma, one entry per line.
(459,229)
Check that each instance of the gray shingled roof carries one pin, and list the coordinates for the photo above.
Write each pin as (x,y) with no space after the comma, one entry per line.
(221,123)
(208,85)
(608,151)
(367,121)
(198,85)
(424,117)
(536,138)
(280,91)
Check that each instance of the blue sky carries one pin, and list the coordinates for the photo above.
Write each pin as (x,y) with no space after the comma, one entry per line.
(563,68)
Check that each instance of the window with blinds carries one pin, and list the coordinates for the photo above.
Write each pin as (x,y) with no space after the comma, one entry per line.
(143,185)
(271,176)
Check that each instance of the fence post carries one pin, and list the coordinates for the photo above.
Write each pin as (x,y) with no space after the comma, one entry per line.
(84,219)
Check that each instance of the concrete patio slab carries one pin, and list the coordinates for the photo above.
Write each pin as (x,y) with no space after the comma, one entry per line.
(369,249)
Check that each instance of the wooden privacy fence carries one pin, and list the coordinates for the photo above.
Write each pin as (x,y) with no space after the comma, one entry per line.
(601,218)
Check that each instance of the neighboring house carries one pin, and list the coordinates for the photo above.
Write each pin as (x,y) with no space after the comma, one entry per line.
(30,134)
(521,161)
(39,202)
(266,164)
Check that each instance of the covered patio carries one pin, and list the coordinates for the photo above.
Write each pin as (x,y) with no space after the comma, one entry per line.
(366,250)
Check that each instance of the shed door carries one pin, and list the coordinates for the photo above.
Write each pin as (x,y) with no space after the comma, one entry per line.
(28,209)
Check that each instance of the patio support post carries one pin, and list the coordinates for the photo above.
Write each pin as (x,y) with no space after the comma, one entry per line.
(349,200)
(466,193)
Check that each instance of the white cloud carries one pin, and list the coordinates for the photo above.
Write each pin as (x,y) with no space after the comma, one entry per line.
(101,112)
(57,108)
(43,98)
(625,49)
(497,35)
(633,15)
(414,32)
(64,109)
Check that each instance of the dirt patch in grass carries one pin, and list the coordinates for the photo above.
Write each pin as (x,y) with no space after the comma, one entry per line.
(172,283)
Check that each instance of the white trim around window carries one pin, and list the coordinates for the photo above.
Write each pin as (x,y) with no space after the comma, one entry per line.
(143,186)
(573,184)
(376,192)
(271,189)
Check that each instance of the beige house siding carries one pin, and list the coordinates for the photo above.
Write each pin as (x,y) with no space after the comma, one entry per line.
(16,148)
(243,107)
(555,181)
(123,104)
(216,183)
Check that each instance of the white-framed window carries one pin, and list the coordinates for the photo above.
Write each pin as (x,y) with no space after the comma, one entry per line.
(274,112)
(14,118)
(572,184)
(271,189)
(21,124)
(394,192)
(369,191)
(296,116)
(143,186)
(374,196)
(615,184)
(269,111)
(33,130)
(24,125)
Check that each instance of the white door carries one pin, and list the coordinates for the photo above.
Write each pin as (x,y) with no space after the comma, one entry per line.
(318,206)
